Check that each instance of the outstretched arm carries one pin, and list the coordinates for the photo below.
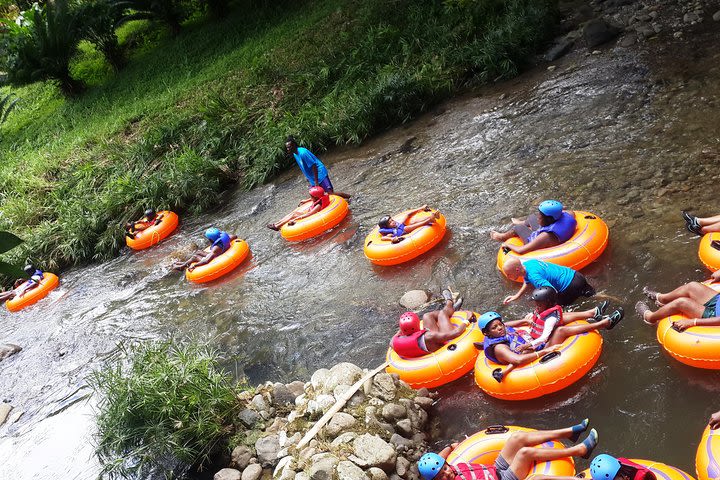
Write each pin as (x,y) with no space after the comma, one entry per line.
(508,357)
(313,210)
(26,287)
(520,293)
(214,252)
(685,323)
(543,240)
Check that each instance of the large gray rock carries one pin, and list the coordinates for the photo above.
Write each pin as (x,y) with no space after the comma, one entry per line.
(597,31)
(347,470)
(383,387)
(317,380)
(297,388)
(392,412)
(344,438)
(241,456)
(259,403)
(373,451)
(323,466)
(342,374)
(227,474)
(414,299)
(339,422)
(7,350)
(252,472)
(249,417)
(282,396)
(267,449)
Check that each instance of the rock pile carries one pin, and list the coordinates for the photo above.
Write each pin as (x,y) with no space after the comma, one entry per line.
(379,434)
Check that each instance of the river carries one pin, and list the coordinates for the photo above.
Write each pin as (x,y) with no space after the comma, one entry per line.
(630,136)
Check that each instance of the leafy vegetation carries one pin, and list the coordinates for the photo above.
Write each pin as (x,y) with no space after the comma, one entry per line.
(8,241)
(162,403)
(192,114)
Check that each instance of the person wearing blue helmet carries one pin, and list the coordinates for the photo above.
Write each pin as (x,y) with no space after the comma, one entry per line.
(220,242)
(607,467)
(551,226)
(21,287)
(516,458)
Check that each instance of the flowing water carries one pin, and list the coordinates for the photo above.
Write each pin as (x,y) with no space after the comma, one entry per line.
(633,138)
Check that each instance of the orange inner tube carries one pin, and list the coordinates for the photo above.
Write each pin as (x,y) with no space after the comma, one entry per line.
(706,462)
(154,233)
(709,255)
(662,471)
(220,265)
(484,447)
(584,247)
(548,374)
(452,361)
(316,223)
(414,244)
(697,346)
(48,283)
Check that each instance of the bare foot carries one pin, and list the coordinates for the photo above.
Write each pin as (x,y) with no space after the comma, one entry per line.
(517,221)
(272,226)
(497,236)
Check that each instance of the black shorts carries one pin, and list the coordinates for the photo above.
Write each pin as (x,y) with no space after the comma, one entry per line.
(579,287)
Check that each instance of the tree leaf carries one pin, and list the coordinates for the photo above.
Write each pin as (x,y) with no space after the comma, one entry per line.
(8,241)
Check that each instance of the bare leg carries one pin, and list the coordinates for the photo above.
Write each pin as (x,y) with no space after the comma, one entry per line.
(9,295)
(707,221)
(684,305)
(502,236)
(566,331)
(713,227)
(439,320)
(695,291)
(196,257)
(519,440)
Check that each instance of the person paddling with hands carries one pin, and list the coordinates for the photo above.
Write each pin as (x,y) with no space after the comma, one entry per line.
(393,230)
(220,242)
(569,284)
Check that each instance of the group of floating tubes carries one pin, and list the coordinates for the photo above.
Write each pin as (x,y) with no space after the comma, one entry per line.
(584,247)
(548,374)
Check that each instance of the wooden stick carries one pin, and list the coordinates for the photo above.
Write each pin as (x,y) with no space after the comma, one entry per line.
(338,405)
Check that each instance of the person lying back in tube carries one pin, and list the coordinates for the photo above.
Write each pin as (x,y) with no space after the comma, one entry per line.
(607,467)
(694,300)
(551,226)
(149,218)
(515,460)
(219,243)
(412,341)
(393,230)
(318,200)
(21,287)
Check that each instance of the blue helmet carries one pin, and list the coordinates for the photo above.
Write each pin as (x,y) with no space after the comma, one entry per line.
(430,464)
(551,208)
(212,234)
(604,467)
(486,318)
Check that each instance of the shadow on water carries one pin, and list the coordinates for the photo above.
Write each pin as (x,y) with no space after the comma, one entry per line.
(601,133)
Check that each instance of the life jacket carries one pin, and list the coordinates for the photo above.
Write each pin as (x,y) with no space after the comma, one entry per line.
(563,228)
(511,338)
(538,320)
(398,231)
(641,472)
(323,201)
(407,346)
(223,242)
(474,471)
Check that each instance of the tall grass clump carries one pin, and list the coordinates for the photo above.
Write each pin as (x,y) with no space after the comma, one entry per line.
(189,115)
(162,405)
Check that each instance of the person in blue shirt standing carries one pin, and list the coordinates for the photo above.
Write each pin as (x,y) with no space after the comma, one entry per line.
(569,284)
(311,166)
(219,243)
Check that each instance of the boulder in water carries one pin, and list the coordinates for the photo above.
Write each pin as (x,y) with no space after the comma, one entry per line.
(414,299)
(598,31)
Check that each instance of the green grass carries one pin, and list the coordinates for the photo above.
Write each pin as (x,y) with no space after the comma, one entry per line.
(159,404)
(191,115)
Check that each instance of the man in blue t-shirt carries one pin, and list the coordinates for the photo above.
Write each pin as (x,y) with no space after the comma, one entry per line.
(535,274)
(311,166)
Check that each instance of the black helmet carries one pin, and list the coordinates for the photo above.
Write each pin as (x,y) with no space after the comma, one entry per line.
(384,221)
(546,295)
(150,213)
(29,269)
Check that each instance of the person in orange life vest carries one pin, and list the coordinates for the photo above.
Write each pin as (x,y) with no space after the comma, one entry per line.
(393,230)
(21,287)
(694,300)
(219,243)
(550,227)
(516,458)
(607,467)
(149,219)
(548,322)
(318,200)
(412,341)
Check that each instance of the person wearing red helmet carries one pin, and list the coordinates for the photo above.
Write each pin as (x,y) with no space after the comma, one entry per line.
(318,200)
(412,341)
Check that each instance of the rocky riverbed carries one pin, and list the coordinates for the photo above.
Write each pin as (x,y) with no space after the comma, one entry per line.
(379,434)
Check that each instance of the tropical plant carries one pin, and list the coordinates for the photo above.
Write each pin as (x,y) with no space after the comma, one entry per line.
(8,241)
(169,12)
(101,18)
(161,403)
(44,39)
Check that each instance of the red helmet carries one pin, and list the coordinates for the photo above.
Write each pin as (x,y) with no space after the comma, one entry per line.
(317,192)
(409,323)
